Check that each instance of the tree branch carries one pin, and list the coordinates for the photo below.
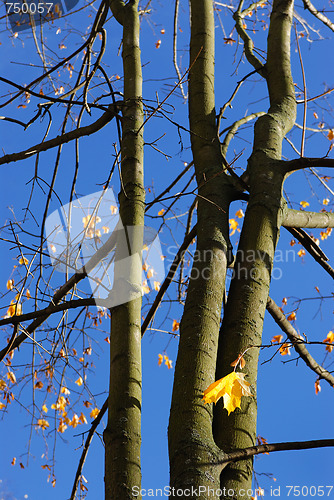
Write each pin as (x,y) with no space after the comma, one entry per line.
(237,455)
(312,248)
(248,42)
(62,291)
(309,6)
(300,163)
(171,273)
(82,460)
(62,139)
(299,218)
(297,341)
(70,304)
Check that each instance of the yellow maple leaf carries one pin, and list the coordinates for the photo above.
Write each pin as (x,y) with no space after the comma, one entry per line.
(145,288)
(42,424)
(240,214)
(285,349)
(11,377)
(15,308)
(329,340)
(231,388)
(277,339)
(331,135)
(176,325)
(233,226)
(79,382)
(10,284)
(304,204)
(94,413)
(82,418)
(62,426)
(45,408)
(75,421)
(168,362)
(292,317)
(160,359)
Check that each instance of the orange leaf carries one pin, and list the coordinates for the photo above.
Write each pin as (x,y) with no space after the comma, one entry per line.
(277,339)
(317,386)
(292,317)
(330,135)
(176,325)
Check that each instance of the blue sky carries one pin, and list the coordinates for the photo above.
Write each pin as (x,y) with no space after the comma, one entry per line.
(289,409)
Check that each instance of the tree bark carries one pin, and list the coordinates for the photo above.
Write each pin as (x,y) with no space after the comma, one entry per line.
(122,435)
(191,445)
(244,313)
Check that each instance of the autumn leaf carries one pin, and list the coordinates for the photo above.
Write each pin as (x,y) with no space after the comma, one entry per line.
(15,308)
(176,325)
(301,252)
(156,285)
(160,359)
(240,360)
(82,418)
(231,388)
(11,377)
(145,288)
(285,349)
(94,413)
(157,45)
(330,135)
(42,424)
(62,426)
(24,261)
(304,204)
(45,408)
(277,339)
(79,382)
(168,362)
(317,386)
(325,201)
(329,340)
(2,406)
(10,284)
(292,317)
(161,212)
(233,226)
(240,214)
